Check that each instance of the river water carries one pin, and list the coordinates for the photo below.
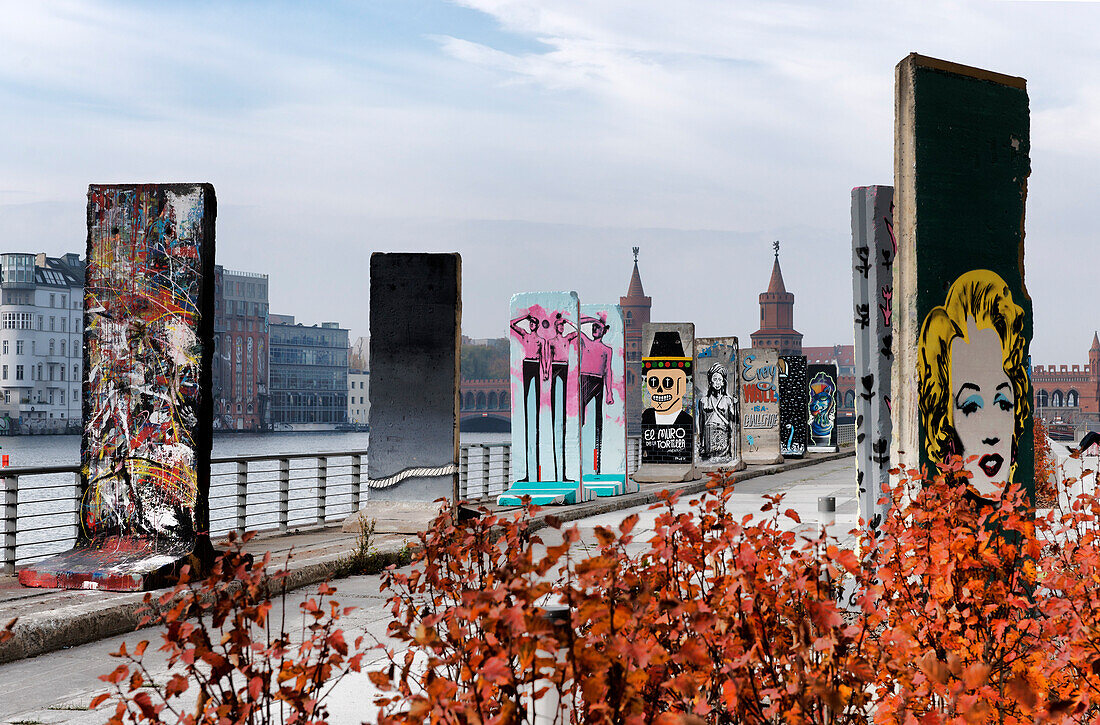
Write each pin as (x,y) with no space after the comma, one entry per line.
(46,510)
(65,450)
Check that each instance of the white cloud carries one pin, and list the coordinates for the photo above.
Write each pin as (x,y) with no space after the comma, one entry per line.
(329,134)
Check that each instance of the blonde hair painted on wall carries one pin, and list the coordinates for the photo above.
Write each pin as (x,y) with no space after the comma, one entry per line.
(981,296)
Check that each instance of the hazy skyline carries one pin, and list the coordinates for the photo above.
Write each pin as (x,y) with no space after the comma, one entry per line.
(540,140)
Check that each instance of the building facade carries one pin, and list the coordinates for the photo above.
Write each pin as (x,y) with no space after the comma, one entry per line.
(41,342)
(777,316)
(241,370)
(1069,393)
(309,374)
(636,312)
(358,397)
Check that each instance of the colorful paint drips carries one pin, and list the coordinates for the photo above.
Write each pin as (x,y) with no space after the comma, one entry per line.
(145,451)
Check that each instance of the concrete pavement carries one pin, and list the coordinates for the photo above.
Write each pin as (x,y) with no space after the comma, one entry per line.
(57,687)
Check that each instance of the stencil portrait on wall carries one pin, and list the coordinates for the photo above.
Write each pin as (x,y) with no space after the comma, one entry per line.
(975,392)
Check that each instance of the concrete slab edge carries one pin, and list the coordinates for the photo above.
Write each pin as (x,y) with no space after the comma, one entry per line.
(40,633)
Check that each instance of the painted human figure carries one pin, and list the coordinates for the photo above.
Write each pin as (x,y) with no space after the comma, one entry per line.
(535,369)
(596,380)
(717,413)
(558,345)
(975,394)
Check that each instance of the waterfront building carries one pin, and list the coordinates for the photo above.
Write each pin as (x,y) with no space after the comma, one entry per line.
(1069,393)
(358,397)
(41,342)
(309,374)
(241,370)
(636,310)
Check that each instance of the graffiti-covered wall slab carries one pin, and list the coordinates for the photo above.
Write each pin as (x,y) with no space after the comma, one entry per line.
(821,407)
(668,424)
(873,252)
(759,379)
(545,368)
(717,405)
(793,402)
(603,400)
(415,343)
(962,313)
(145,450)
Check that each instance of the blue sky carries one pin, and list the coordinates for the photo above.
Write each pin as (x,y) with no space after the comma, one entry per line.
(540,139)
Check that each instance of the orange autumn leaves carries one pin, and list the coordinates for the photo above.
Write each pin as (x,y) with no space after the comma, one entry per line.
(963,614)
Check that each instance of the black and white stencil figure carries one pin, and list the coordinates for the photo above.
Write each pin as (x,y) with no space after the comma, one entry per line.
(717,414)
(717,408)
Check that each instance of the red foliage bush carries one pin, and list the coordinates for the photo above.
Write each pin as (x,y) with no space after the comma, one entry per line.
(966,612)
(224,647)
(1045,467)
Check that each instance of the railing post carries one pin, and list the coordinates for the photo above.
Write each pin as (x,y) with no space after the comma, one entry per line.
(284,494)
(464,473)
(486,452)
(9,516)
(242,495)
(78,482)
(356,480)
(322,489)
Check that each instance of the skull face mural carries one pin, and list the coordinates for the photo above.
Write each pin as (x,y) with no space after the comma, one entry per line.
(668,428)
(666,390)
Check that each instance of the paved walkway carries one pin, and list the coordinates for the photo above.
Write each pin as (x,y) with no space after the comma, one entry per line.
(57,687)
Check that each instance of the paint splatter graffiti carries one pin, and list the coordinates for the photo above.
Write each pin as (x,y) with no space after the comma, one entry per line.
(603,400)
(145,452)
(717,404)
(792,405)
(545,366)
(759,379)
(821,407)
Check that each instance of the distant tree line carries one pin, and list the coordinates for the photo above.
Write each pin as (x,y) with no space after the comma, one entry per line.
(485,362)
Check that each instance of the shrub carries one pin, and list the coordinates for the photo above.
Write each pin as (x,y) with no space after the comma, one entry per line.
(224,647)
(966,612)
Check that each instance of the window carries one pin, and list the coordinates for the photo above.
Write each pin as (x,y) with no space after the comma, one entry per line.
(5,347)
(16,320)
(53,300)
(75,393)
(76,372)
(7,396)
(33,346)
(18,347)
(18,372)
(63,303)
(51,343)
(62,348)
(4,373)
(51,323)
(62,369)
(39,371)
(39,321)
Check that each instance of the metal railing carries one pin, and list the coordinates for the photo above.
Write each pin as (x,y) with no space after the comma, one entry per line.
(40,505)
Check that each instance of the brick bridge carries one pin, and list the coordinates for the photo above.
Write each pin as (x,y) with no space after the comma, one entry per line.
(485,406)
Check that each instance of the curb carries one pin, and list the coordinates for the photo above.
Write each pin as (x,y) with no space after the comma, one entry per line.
(78,624)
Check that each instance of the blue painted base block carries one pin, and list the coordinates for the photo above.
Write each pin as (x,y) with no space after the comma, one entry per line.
(542,493)
(606,484)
